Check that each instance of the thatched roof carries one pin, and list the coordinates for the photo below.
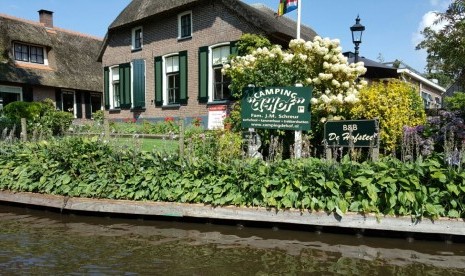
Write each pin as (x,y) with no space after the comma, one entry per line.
(72,60)
(279,29)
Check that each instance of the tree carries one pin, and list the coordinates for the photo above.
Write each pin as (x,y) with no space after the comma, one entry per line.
(250,42)
(446,48)
(456,103)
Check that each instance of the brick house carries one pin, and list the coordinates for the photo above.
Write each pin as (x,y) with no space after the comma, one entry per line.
(164,58)
(39,61)
(430,91)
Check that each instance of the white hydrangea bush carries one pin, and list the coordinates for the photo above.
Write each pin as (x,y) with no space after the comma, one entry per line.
(318,63)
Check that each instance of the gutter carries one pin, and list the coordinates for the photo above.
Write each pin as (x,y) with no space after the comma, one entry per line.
(421,79)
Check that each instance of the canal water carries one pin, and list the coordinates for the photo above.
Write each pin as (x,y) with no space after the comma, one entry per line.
(37,242)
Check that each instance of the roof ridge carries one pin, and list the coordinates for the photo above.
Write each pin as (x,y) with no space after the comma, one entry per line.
(285,17)
(11,17)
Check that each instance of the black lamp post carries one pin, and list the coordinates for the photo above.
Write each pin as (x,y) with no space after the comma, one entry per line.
(357,32)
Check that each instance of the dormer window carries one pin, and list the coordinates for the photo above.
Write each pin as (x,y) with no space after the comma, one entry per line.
(29,53)
(137,36)
(185,25)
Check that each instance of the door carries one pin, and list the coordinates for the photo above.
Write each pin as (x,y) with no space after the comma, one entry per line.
(68,101)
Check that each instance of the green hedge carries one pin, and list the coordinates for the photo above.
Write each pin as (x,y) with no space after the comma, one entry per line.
(83,167)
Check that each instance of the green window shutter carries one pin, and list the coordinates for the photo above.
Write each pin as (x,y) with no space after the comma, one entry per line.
(78,96)
(139,83)
(58,99)
(106,88)
(183,77)
(125,85)
(203,74)
(158,81)
(234,48)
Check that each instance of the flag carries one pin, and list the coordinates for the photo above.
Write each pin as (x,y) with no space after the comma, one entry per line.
(286,6)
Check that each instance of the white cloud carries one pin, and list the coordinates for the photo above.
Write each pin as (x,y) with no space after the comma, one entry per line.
(427,20)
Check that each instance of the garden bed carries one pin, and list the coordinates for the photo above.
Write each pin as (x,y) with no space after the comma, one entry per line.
(89,168)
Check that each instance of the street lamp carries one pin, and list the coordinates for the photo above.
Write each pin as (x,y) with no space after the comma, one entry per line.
(357,32)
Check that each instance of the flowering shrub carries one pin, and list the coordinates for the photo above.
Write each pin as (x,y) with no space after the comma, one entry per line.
(446,130)
(227,119)
(415,144)
(130,120)
(197,121)
(169,119)
(396,104)
(318,63)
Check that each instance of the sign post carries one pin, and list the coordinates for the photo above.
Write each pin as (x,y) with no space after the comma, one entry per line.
(298,133)
(352,134)
(283,108)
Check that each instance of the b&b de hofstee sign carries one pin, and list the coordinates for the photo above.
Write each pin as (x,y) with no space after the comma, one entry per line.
(364,133)
(276,108)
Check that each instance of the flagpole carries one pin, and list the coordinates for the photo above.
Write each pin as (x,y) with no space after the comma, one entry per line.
(298,133)
(299,16)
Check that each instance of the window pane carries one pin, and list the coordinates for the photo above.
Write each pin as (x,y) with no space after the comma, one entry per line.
(172,64)
(220,55)
(220,85)
(173,88)
(115,74)
(138,39)
(116,95)
(186,25)
(37,54)
(21,52)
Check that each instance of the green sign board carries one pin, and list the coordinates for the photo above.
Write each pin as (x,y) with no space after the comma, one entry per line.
(276,108)
(363,133)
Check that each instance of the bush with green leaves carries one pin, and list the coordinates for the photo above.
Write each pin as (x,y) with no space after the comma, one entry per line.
(395,104)
(99,116)
(219,145)
(28,110)
(41,117)
(88,167)
(6,123)
(51,121)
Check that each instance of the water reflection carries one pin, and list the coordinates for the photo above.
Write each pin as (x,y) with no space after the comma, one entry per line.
(42,243)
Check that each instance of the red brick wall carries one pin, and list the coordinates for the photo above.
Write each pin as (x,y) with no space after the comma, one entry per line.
(212,24)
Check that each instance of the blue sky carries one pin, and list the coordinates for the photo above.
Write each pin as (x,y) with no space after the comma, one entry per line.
(392,26)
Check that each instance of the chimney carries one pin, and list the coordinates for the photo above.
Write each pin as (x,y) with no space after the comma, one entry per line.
(46,18)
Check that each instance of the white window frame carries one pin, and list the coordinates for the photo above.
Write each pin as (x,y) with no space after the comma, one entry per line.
(165,79)
(210,69)
(66,91)
(44,50)
(111,91)
(133,38)
(180,25)
(11,90)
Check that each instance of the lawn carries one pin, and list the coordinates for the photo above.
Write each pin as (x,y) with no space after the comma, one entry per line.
(147,144)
